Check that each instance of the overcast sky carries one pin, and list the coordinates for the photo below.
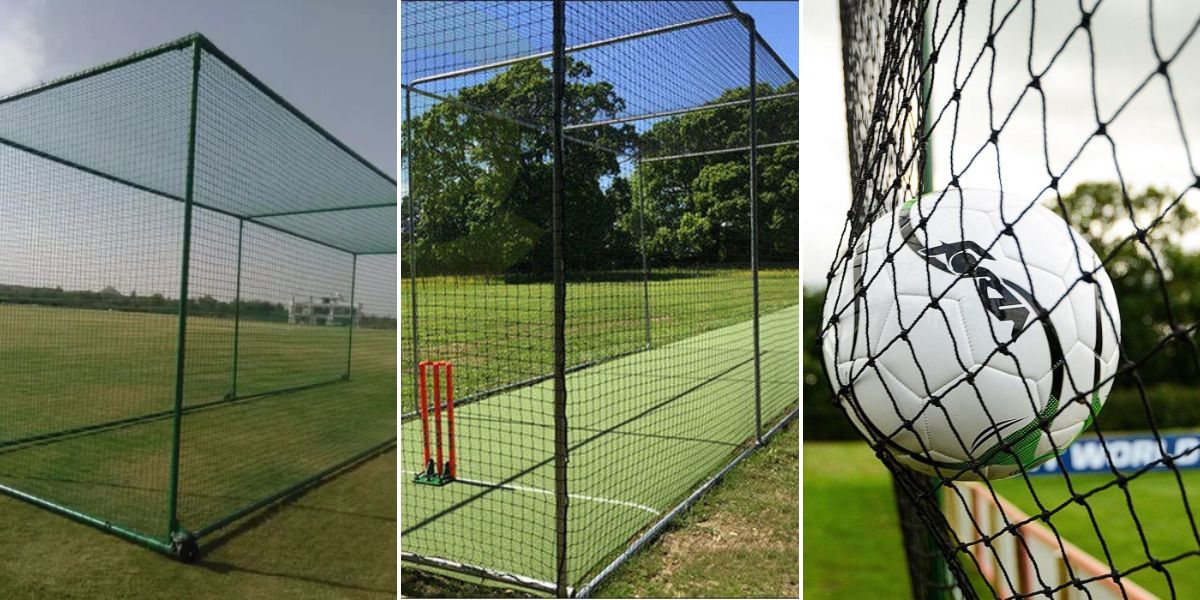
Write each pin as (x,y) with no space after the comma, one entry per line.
(1147,149)
(334,60)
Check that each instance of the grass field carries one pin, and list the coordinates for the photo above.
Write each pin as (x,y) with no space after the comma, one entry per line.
(335,542)
(72,368)
(848,493)
(644,428)
(739,540)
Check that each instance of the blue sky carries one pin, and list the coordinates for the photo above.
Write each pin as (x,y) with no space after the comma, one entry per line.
(779,23)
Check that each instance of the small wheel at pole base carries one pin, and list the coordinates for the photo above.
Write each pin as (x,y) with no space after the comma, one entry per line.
(185,548)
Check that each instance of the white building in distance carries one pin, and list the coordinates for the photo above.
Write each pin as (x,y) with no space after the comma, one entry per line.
(323,310)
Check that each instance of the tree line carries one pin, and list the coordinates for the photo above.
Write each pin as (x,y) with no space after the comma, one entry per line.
(479,193)
(205,305)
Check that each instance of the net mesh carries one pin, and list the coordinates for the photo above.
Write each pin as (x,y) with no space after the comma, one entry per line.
(659,347)
(289,363)
(1081,108)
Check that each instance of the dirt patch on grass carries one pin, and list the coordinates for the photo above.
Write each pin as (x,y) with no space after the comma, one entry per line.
(724,531)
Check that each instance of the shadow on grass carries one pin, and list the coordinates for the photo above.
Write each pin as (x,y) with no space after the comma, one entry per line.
(342,522)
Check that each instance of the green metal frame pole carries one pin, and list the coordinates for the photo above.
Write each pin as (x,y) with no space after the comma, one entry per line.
(237,310)
(642,242)
(181,340)
(561,499)
(412,245)
(749,21)
(353,313)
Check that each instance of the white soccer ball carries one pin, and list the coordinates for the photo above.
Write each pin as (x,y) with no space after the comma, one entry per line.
(944,354)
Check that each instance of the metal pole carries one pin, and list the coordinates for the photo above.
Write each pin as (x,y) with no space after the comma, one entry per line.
(412,255)
(237,310)
(353,314)
(642,243)
(754,226)
(181,339)
(559,46)
(942,583)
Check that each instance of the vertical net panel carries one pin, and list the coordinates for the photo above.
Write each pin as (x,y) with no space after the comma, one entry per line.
(667,397)
(478,264)
(1083,110)
(659,349)
(272,396)
(91,174)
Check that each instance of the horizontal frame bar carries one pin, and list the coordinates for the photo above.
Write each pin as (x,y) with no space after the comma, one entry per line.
(712,152)
(585,46)
(504,117)
(149,190)
(678,111)
(484,394)
(313,211)
(38,440)
(434,565)
(105,526)
(262,87)
(759,38)
(179,44)
(293,489)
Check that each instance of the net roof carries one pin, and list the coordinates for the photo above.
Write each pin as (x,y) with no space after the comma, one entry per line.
(660,58)
(257,157)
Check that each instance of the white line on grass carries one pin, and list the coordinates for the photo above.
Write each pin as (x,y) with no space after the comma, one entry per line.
(523,488)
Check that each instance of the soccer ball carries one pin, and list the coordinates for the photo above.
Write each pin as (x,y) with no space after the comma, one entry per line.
(969,348)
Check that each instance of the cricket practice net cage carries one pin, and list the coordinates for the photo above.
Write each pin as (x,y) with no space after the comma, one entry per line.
(197,297)
(1088,109)
(600,244)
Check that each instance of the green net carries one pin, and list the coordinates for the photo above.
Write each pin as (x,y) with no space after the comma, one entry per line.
(197,290)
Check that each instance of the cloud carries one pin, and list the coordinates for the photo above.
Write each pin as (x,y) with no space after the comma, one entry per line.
(22,47)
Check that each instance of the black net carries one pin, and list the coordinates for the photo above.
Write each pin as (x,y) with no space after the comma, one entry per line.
(1015,279)
(664,386)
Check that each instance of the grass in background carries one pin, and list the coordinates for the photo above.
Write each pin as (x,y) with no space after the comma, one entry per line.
(497,333)
(335,542)
(852,531)
(739,540)
(852,545)
(1158,502)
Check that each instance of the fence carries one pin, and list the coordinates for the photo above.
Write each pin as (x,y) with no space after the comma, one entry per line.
(600,238)
(157,216)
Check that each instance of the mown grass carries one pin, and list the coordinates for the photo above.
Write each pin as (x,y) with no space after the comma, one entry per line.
(852,544)
(850,516)
(336,541)
(1147,520)
(739,540)
(645,428)
(69,368)
(500,333)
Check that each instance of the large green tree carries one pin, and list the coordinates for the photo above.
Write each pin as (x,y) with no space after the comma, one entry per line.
(481,176)
(482,181)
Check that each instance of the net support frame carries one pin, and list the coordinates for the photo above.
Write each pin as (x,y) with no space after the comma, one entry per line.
(173,527)
(748,21)
(237,309)
(561,500)
(178,540)
(559,132)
